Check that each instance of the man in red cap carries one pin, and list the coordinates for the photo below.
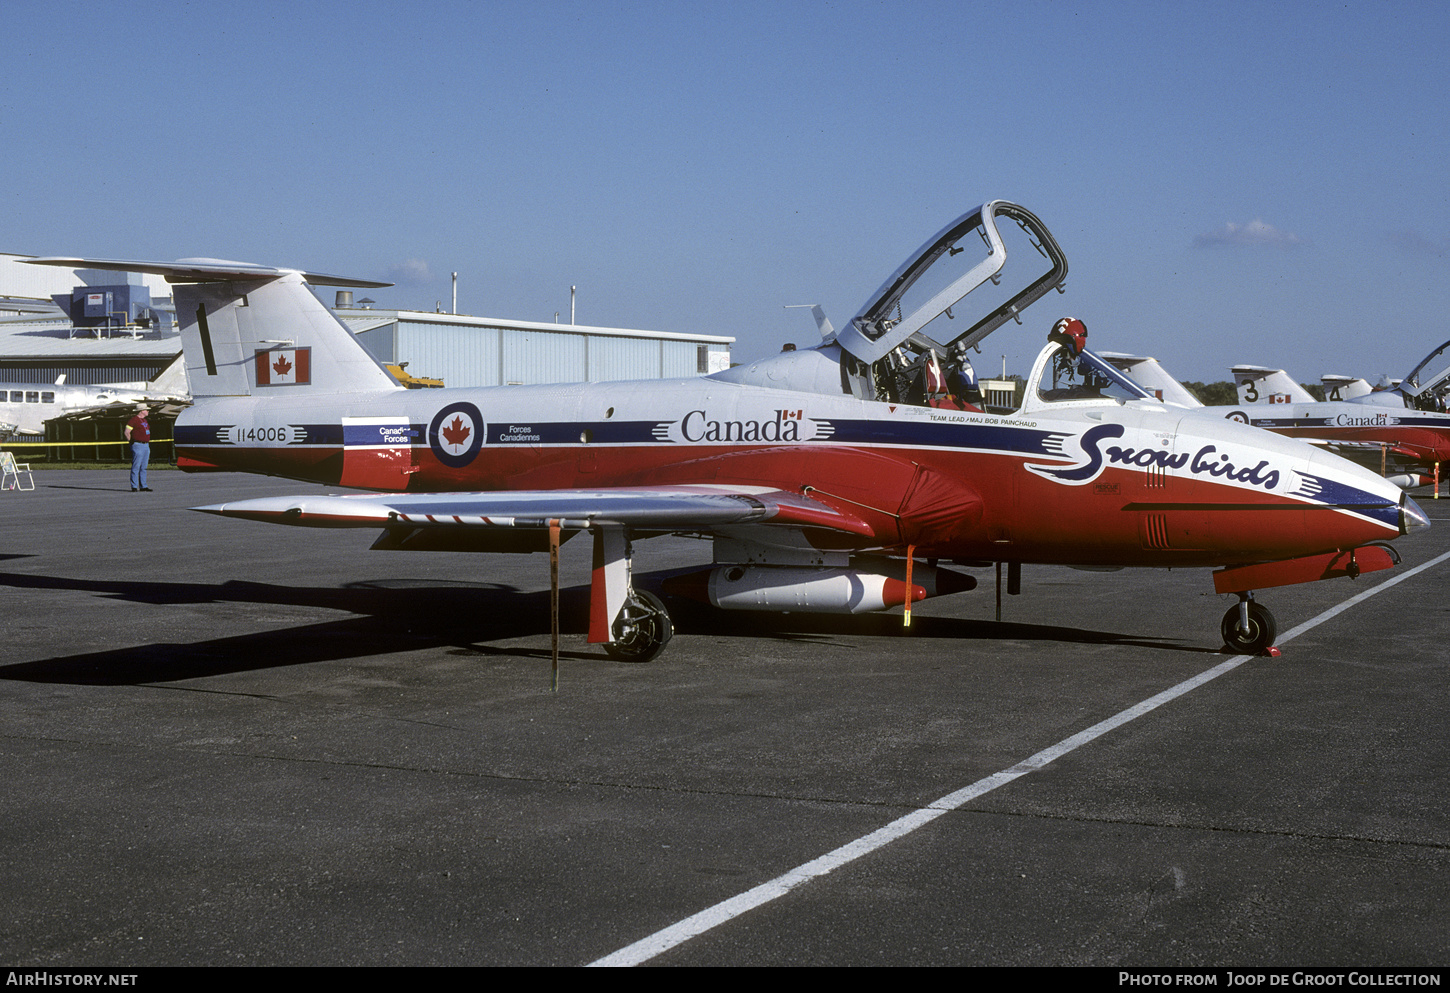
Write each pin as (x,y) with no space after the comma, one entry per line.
(138,433)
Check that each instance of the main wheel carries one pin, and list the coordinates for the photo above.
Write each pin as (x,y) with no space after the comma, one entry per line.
(1263,629)
(643,629)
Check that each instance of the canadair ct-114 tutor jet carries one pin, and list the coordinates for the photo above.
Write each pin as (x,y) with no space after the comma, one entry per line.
(831,479)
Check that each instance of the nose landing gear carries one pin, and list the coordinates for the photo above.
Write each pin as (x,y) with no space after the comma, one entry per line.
(1249,627)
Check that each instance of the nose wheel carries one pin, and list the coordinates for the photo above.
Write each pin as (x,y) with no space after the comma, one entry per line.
(1249,627)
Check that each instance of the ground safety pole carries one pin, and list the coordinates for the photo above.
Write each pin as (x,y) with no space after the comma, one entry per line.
(554,598)
(999,591)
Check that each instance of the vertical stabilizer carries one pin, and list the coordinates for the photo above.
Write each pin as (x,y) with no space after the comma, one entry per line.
(250,330)
(1149,373)
(1260,384)
(171,381)
(1344,387)
(253,336)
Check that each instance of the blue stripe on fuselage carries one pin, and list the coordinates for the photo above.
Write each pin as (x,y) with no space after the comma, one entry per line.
(977,437)
(1319,489)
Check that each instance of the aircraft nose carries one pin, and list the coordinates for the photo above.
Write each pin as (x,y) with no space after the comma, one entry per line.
(1411,515)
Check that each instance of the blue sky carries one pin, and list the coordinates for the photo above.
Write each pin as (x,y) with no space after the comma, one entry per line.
(1231,182)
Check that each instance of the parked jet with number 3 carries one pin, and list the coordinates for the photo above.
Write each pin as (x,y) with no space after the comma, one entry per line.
(828,479)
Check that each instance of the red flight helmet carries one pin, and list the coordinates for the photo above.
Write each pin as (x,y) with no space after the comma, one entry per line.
(1071,332)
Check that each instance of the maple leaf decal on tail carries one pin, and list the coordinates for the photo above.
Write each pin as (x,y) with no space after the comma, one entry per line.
(284,367)
(457,432)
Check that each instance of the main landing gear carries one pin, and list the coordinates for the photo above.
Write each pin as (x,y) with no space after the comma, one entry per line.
(632,625)
(642,630)
(1249,627)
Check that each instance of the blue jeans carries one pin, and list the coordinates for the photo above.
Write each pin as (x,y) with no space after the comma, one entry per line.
(140,455)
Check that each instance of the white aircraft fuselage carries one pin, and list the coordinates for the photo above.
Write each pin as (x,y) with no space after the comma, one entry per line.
(25,407)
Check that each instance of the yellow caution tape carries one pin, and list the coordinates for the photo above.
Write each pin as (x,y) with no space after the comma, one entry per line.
(73,444)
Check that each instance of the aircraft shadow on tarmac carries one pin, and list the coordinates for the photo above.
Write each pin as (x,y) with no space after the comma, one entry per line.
(121,487)
(407,615)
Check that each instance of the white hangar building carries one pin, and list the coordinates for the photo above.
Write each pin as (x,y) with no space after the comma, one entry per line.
(481,351)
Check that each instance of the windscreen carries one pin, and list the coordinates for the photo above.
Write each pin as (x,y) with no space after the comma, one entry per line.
(1086,377)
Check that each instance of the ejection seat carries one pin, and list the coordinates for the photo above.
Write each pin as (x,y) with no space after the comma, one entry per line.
(11,473)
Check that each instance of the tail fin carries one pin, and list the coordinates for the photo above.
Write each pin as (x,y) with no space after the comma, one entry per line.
(1259,384)
(1149,373)
(1344,387)
(248,329)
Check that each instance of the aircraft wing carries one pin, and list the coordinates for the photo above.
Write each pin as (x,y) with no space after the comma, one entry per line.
(658,508)
(1401,464)
(1348,449)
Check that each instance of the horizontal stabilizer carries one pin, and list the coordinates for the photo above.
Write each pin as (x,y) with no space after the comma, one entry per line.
(203,270)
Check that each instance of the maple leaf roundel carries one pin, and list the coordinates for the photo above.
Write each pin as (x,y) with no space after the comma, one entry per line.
(456,434)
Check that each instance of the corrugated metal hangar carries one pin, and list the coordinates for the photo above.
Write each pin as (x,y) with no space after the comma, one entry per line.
(474,351)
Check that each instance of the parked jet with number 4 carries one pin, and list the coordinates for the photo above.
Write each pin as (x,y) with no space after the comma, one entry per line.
(834,478)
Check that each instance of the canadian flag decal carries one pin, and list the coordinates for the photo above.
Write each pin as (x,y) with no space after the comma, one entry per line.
(284,367)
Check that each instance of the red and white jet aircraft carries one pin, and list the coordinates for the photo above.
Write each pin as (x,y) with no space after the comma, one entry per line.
(828,479)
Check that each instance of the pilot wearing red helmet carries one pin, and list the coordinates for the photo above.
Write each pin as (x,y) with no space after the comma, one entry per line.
(1070,332)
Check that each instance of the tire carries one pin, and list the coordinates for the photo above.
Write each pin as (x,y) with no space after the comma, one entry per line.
(1263,629)
(642,631)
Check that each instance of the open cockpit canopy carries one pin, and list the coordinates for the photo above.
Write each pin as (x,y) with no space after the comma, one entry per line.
(917,306)
(894,348)
(1430,379)
(1427,387)
(921,313)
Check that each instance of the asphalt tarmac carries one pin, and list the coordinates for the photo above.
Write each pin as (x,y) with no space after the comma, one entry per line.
(234,743)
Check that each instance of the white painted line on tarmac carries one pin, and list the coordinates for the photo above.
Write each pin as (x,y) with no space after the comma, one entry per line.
(1332,611)
(677,934)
